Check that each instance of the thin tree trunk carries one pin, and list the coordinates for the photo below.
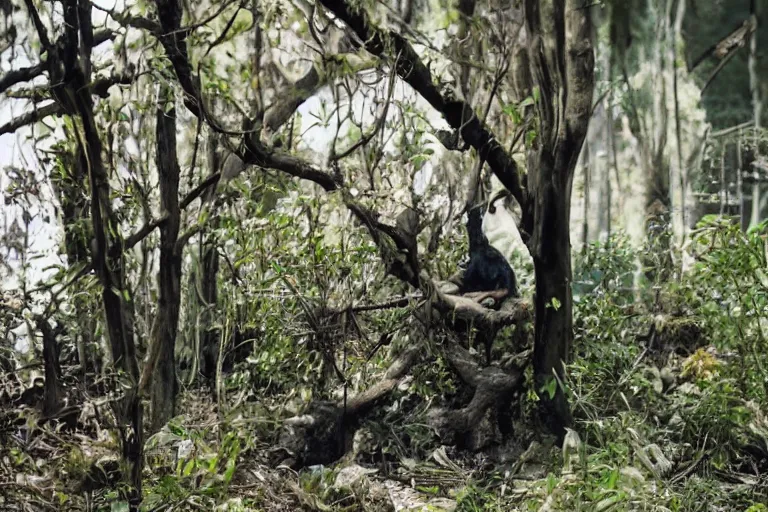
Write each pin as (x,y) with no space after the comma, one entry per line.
(118,304)
(166,323)
(207,296)
(739,181)
(206,287)
(598,139)
(585,223)
(52,389)
(682,172)
(757,107)
(614,156)
(67,185)
(723,184)
(116,297)
(608,197)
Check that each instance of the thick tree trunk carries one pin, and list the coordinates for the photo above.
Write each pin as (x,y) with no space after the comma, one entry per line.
(562,60)
(165,329)
(553,301)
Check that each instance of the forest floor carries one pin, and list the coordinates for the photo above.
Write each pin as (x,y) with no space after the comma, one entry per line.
(630,457)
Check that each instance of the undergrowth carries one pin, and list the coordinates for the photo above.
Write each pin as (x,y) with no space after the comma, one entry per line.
(669,396)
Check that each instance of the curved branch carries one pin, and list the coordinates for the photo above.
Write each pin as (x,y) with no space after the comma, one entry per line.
(20,75)
(16,76)
(457,112)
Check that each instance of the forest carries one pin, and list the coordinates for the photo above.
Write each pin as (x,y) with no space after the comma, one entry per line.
(360,255)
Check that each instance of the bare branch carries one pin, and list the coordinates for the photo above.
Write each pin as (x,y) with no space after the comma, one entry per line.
(283,108)
(724,48)
(377,125)
(31,117)
(39,27)
(20,75)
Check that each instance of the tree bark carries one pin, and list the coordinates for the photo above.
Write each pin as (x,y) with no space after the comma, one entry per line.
(553,325)
(207,285)
(585,162)
(166,324)
(677,38)
(757,107)
(562,61)
(52,389)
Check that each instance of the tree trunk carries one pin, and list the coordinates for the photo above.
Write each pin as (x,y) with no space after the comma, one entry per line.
(585,162)
(680,220)
(52,389)
(208,296)
(562,61)
(553,301)
(118,304)
(601,164)
(165,329)
(757,108)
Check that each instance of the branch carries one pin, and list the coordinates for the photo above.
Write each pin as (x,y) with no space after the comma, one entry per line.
(20,75)
(99,87)
(402,262)
(465,308)
(31,117)
(722,48)
(39,27)
(198,190)
(456,112)
(283,108)
(126,20)
(719,68)
(377,125)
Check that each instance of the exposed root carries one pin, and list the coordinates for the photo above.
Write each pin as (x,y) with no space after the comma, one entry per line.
(325,433)
(492,385)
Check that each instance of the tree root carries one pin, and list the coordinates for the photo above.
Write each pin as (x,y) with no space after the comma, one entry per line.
(493,387)
(325,433)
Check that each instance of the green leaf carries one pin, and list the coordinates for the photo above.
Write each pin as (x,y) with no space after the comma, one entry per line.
(119,506)
(188,467)
(550,388)
(512,111)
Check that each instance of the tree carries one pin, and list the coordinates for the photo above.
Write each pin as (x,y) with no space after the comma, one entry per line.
(553,66)
(564,75)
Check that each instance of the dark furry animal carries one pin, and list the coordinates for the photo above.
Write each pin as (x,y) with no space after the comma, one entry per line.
(488,270)
(488,274)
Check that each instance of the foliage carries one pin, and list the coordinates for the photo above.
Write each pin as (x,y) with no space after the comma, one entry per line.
(302,287)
